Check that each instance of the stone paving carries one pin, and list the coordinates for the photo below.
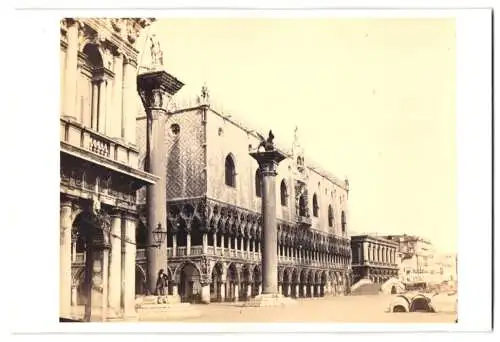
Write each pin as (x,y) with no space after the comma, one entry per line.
(348,309)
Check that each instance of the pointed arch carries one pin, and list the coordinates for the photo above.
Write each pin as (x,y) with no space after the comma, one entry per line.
(284,193)
(330,216)
(315,205)
(343,222)
(230,171)
(258,183)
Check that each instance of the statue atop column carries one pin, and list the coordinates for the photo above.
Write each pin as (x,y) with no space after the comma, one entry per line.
(156,53)
(268,143)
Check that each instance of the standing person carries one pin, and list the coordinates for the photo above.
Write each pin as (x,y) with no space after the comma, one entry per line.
(161,283)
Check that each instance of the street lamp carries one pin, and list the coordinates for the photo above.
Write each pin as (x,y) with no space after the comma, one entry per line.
(158,236)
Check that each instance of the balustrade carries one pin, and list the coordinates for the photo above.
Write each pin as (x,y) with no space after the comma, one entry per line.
(181,251)
(78,135)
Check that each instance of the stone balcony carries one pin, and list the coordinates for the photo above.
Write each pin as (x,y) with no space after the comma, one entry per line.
(75,135)
(304,221)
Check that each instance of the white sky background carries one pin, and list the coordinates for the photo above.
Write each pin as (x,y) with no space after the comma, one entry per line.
(374,101)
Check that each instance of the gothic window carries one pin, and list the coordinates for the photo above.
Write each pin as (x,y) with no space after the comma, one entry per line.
(258,183)
(302,206)
(230,171)
(330,216)
(284,193)
(315,206)
(343,221)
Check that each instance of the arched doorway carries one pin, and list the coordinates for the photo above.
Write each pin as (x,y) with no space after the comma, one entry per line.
(189,283)
(141,285)
(232,282)
(287,276)
(245,283)
(310,285)
(256,281)
(323,283)
(393,290)
(88,236)
(81,294)
(215,285)
(295,284)
(303,284)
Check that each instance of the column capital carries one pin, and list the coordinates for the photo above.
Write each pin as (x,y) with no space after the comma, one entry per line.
(129,215)
(156,89)
(268,161)
(115,212)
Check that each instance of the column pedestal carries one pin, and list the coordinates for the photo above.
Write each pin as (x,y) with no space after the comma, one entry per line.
(236,293)
(222,292)
(205,294)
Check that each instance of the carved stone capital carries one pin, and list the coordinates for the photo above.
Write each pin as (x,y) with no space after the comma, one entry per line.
(156,90)
(268,161)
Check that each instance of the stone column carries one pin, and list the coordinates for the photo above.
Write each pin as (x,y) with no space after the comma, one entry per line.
(129,104)
(174,244)
(249,290)
(156,89)
(103,99)
(204,247)
(95,104)
(115,265)
(115,120)
(65,258)
(268,162)
(100,278)
(188,244)
(174,290)
(74,295)
(128,265)
(236,292)
(71,69)
(222,291)
(205,293)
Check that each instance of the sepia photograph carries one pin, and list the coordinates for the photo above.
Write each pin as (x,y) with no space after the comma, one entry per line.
(255,170)
(258,170)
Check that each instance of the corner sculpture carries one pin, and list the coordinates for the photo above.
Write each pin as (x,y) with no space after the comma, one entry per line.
(268,143)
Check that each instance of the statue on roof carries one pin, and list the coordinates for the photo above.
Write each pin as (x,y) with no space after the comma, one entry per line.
(156,53)
(268,143)
(205,96)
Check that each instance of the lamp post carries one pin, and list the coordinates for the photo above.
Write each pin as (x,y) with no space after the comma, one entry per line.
(159,235)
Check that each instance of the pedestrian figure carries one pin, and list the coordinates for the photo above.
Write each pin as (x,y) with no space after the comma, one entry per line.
(161,284)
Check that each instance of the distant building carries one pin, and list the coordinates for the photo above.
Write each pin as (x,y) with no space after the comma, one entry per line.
(373,258)
(418,262)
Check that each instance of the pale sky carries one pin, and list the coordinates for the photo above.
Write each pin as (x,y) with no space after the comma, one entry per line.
(374,101)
